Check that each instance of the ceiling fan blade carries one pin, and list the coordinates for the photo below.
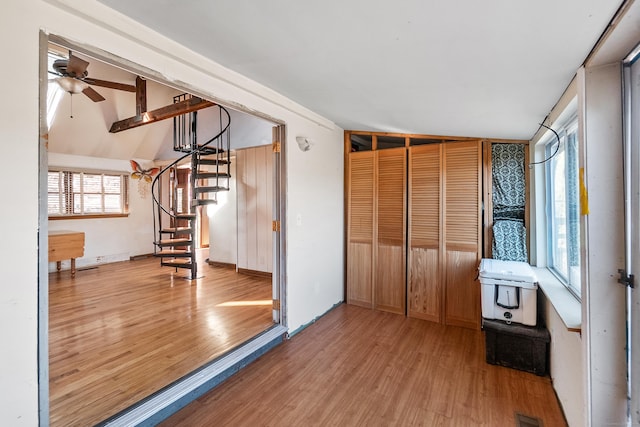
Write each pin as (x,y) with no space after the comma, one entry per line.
(76,67)
(111,85)
(93,95)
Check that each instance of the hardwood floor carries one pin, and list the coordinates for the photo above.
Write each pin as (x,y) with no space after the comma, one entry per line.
(119,332)
(356,366)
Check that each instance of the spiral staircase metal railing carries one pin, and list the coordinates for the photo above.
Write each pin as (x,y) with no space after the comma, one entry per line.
(175,225)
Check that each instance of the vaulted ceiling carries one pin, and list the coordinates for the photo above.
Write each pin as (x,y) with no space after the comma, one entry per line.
(81,127)
(491,68)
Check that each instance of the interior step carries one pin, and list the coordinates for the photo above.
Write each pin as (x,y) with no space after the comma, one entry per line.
(176,230)
(203,202)
(178,263)
(185,216)
(213,189)
(208,175)
(213,162)
(207,150)
(173,253)
(182,241)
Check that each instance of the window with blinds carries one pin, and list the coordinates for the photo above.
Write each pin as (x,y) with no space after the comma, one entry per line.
(72,193)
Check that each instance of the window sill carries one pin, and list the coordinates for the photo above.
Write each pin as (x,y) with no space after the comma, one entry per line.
(565,304)
(56,218)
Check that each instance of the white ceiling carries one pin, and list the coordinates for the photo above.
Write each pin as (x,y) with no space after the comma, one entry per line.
(491,68)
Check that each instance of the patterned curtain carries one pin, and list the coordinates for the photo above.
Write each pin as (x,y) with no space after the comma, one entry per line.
(509,240)
(509,234)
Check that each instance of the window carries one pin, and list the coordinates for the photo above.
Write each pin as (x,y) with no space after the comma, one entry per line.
(72,194)
(54,91)
(563,203)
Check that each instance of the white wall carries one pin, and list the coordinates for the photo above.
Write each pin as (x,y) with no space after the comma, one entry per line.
(19,146)
(566,365)
(223,240)
(589,372)
(110,239)
(314,183)
(314,199)
(602,235)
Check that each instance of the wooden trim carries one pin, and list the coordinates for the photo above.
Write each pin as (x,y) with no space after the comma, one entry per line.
(442,260)
(141,96)
(507,141)
(488,198)
(479,244)
(92,216)
(346,172)
(488,195)
(162,113)
(218,264)
(139,257)
(444,138)
(254,273)
(374,231)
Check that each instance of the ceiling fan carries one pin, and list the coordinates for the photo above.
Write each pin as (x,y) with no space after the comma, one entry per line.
(74,78)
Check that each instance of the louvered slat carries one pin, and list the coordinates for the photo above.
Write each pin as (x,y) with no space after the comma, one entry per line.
(361,198)
(461,186)
(425,195)
(391,188)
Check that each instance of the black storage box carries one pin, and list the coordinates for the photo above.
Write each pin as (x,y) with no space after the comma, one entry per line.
(517,346)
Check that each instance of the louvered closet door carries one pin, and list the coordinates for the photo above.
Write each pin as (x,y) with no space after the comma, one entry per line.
(462,192)
(360,239)
(390,252)
(424,281)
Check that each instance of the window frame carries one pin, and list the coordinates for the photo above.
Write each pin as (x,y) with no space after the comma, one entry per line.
(66,204)
(566,131)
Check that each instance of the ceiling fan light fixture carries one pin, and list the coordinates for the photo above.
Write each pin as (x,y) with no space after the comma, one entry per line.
(71,85)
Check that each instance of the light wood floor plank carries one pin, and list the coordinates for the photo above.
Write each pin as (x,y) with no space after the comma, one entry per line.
(357,366)
(119,332)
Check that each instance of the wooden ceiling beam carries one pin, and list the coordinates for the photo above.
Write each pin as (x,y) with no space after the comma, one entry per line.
(141,96)
(187,106)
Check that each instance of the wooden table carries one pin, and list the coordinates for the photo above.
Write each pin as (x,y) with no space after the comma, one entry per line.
(66,244)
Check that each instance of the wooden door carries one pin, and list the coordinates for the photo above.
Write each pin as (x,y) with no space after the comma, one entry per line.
(461,233)
(360,217)
(390,238)
(254,186)
(424,281)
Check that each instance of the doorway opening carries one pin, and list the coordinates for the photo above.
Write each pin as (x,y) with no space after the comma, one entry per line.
(125,337)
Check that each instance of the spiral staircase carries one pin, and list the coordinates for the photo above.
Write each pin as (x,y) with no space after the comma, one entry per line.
(175,226)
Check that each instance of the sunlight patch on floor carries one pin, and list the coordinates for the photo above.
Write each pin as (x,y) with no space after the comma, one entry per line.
(245,303)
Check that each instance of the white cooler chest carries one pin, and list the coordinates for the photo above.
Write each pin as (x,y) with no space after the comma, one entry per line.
(509,291)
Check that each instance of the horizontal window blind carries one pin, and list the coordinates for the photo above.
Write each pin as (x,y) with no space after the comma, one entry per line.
(72,193)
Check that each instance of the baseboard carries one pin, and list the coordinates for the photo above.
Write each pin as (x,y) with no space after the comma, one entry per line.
(139,257)
(219,264)
(256,273)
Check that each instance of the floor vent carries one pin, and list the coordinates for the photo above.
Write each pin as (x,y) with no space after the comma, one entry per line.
(527,421)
